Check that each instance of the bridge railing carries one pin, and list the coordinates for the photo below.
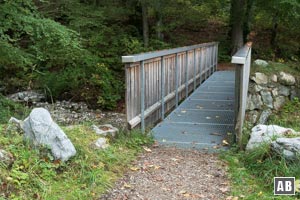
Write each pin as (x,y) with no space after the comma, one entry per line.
(242,59)
(157,81)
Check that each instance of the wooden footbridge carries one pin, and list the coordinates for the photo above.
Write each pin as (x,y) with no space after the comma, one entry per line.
(181,95)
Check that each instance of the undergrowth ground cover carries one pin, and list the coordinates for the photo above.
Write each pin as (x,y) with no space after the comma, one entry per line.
(36,175)
(252,173)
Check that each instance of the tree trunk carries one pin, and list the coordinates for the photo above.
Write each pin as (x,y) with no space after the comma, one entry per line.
(248,16)
(159,25)
(236,18)
(274,35)
(145,23)
(159,20)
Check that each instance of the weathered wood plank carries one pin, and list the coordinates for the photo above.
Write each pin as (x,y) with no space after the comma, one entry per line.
(154,85)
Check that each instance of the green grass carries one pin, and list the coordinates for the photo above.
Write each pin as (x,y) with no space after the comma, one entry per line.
(36,175)
(9,109)
(288,116)
(251,173)
(292,68)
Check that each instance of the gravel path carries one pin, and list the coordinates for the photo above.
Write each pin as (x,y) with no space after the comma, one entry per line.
(170,174)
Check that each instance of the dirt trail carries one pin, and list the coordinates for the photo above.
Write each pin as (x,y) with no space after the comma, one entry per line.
(171,174)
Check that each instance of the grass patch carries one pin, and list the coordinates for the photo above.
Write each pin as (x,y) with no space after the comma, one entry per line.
(288,116)
(9,108)
(251,173)
(35,175)
(291,68)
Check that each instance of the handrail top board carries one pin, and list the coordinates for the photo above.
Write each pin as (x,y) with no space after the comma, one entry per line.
(240,56)
(154,54)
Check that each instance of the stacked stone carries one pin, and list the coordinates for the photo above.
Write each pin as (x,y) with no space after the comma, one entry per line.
(268,93)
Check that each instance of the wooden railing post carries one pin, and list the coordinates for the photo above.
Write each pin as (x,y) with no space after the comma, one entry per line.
(162,88)
(176,80)
(195,84)
(186,74)
(242,59)
(142,96)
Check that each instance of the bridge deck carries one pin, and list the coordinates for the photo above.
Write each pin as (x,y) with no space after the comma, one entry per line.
(203,120)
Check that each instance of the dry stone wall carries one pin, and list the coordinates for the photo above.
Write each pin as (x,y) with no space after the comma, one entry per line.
(268,93)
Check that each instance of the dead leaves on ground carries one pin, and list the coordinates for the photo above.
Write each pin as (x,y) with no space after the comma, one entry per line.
(147,149)
(186,194)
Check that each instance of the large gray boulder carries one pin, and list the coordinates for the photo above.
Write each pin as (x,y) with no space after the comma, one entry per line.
(286,79)
(289,148)
(261,134)
(41,130)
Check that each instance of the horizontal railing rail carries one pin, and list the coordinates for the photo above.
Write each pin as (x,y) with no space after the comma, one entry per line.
(157,81)
(242,59)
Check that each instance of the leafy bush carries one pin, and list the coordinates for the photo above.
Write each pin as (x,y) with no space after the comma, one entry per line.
(9,109)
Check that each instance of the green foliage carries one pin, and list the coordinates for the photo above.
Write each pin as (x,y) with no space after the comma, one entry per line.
(271,19)
(35,174)
(58,46)
(252,172)
(10,109)
(276,67)
(288,116)
(39,50)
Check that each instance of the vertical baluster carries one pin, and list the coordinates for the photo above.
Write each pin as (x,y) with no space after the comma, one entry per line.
(217,51)
(194,69)
(214,58)
(162,68)
(186,74)
(209,61)
(142,76)
(206,63)
(176,79)
(200,66)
